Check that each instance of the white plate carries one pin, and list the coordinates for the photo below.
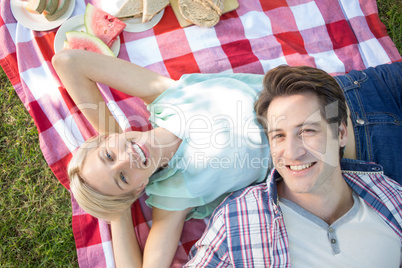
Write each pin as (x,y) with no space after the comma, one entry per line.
(77,24)
(134,25)
(37,22)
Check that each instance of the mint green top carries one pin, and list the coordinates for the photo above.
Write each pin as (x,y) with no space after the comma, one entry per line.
(223,146)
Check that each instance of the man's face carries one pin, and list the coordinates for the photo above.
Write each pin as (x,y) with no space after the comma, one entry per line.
(304,149)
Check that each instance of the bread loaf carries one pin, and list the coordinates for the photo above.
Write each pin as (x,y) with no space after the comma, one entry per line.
(201,12)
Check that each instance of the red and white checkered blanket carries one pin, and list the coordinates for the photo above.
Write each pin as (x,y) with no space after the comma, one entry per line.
(334,35)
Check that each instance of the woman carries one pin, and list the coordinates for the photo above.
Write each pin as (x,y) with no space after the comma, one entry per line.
(205,143)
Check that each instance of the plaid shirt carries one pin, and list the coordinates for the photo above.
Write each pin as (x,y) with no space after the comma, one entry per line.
(248,230)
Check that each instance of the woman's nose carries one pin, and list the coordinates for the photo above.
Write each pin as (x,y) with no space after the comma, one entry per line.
(122,161)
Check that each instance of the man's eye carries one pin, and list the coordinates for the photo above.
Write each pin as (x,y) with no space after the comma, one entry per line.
(307,131)
(277,136)
(123,178)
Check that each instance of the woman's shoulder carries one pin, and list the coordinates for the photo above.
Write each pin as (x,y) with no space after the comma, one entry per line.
(201,77)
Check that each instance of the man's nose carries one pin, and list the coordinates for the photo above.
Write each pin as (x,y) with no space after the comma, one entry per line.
(294,148)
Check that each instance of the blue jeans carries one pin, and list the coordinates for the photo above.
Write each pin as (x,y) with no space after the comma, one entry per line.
(374,97)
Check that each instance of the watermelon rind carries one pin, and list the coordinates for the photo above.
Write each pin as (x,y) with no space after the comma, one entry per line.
(59,12)
(87,18)
(87,42)
(65,44)
(102,25)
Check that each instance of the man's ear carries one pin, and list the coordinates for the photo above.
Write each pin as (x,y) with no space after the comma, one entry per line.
(343,134)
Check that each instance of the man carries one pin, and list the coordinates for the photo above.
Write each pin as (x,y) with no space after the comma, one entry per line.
(314,210)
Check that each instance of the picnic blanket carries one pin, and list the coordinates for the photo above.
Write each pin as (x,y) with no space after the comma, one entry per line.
(334,35)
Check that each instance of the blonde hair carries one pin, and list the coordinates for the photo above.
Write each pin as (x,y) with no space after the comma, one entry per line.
(101,206)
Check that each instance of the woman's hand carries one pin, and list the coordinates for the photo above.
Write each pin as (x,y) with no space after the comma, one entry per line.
(80,70)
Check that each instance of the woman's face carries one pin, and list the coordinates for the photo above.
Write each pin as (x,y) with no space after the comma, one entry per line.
(122,163)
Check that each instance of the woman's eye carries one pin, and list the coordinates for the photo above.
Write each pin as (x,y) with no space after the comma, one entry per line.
(123,178)
(108,156)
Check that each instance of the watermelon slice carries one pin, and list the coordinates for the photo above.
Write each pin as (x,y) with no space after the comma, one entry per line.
(103,25)
(85,41)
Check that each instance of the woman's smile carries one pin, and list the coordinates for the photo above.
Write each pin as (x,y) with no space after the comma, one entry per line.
(121,164)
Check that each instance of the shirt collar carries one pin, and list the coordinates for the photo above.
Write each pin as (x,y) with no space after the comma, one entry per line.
(347,166)
(272,180)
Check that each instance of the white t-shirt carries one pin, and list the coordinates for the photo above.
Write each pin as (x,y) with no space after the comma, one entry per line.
(360,238)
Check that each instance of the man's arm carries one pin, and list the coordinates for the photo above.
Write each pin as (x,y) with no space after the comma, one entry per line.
(80,71)
(127,252)
(164,237)
(211,250)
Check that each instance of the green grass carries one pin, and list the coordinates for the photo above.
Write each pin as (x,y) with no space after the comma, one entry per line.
(390,13)
(35,226)
(35,209)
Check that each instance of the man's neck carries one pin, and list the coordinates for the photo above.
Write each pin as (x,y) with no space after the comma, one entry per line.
(329,204)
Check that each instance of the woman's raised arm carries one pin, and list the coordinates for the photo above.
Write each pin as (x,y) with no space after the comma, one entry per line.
(126,250)
(80,70)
